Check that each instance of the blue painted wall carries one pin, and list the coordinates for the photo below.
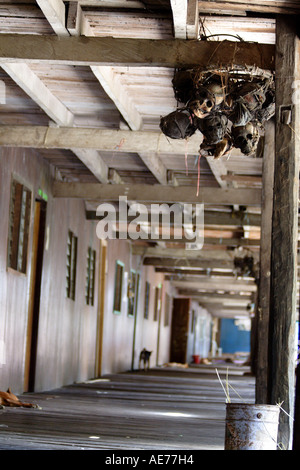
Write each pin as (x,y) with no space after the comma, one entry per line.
(232,338)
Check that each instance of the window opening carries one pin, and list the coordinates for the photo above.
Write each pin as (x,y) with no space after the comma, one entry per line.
(19,222)
(71,265)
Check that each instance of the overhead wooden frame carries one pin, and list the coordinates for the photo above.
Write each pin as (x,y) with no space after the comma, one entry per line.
(157,193)
(79,50)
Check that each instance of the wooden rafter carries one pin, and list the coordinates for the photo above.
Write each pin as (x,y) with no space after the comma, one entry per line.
(26,79)
(111,83)
(210,218)
(157,193)
(133,52)
(55,12)
(99,139)
(240,7)
(192,20)
(183,253)
(179,11)
(233,285)
(185,18)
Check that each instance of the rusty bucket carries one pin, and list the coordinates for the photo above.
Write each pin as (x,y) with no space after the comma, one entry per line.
(251,426)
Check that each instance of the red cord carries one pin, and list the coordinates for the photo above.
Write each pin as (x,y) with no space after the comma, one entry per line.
(198,182)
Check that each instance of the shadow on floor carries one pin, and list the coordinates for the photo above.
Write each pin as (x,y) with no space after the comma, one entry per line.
(164,408)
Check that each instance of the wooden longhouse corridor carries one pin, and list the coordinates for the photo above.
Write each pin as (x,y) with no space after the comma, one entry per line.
(181,409)
(149,190)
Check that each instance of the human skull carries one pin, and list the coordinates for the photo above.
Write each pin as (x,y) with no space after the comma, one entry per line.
(246,137)
(240,115)
(218,91)
(213,127)
(268,108)
(202,102)
(178,125)
(253,95)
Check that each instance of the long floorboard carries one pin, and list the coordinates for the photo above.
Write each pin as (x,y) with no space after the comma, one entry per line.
(161,409)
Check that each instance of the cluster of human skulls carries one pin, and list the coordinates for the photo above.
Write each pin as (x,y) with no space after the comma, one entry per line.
(228,111)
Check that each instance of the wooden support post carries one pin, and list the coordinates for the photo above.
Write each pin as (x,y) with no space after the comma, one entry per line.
(263,308)
(296,438)
(285,227)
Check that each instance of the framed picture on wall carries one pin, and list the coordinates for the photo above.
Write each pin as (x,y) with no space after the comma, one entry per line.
(131,293)
(119,274)
(167,310)
(157,303)
(147,298)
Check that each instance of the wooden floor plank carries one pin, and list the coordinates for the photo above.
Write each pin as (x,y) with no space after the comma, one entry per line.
(160,409)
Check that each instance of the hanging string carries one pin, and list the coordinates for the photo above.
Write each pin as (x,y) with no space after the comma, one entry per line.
(118,147)
(198,182)
(185,157)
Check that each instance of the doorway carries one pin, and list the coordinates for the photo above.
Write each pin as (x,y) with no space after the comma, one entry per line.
(101,306)
(37,255)
(135,314)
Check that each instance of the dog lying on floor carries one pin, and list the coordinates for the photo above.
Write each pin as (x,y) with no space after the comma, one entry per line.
(9,399)
(145,358)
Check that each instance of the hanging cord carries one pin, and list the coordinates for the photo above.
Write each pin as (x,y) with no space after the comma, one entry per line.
(198,179)
(185,157)
(204,38)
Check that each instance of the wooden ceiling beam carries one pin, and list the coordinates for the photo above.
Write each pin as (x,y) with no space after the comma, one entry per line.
(99,139)
(111,83)
(173,272)
(113,86)
(225,285)
(179,12)
(134,4)
(242,7)
(157,193)
(219,170)
(192,20)
(33,86)
(211,217)
(192,263)
(178,253)
(55,12)
(93,51)
(149,145)
(215,297)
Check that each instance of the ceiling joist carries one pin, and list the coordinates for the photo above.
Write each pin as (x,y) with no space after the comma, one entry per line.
(99,139)
(157,193)
(34,87)
(92,51)
(117,109)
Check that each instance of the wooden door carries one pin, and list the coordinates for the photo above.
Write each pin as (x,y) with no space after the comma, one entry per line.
(34,295)
(157,316)
(136,300)
(100,308)
(179,332)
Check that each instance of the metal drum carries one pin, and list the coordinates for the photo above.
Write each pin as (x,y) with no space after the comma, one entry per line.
(251,426)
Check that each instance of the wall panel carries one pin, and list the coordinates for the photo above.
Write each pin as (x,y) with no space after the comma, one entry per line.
(67,328)
(119,328)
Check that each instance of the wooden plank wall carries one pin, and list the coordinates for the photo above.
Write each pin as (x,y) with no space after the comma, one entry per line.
(199,337)
(119,328)
(67,329)
(67,336)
